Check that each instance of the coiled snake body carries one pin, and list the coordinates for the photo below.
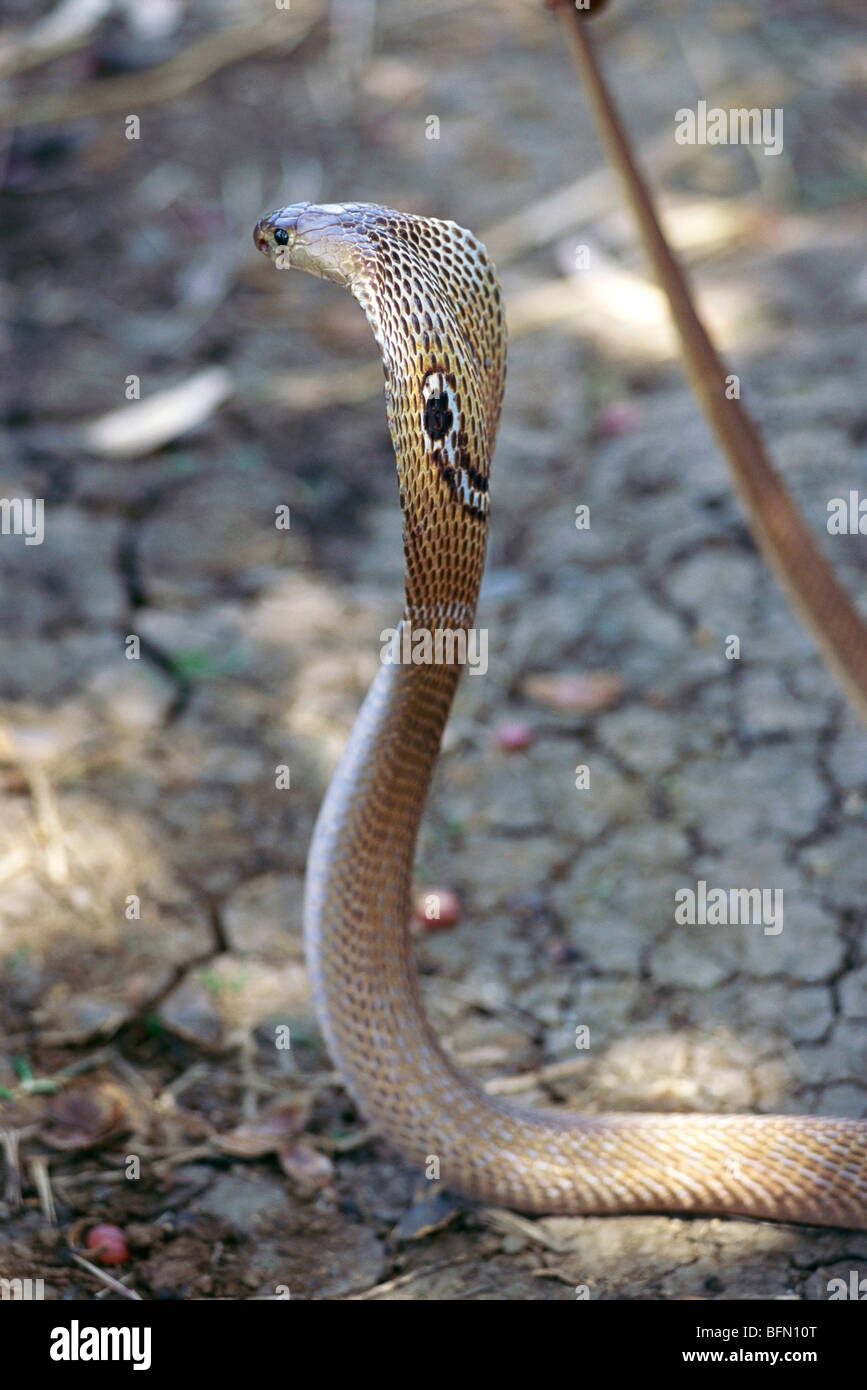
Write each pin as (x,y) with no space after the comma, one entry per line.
(433,302)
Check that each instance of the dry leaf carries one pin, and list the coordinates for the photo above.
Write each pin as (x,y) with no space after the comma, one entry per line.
(86,1116)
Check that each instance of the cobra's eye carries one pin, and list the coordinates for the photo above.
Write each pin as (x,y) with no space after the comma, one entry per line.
(281,236)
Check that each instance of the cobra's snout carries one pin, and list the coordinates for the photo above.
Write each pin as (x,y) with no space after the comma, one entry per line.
(277,233)
(261,239)
(323,239)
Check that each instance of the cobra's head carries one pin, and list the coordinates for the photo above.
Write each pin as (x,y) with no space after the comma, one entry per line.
(427,287)
(325,239)
(432,300)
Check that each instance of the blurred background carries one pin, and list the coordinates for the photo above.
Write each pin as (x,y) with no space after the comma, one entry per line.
(168,648)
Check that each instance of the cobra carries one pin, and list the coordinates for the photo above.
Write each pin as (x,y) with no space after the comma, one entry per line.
(433,302)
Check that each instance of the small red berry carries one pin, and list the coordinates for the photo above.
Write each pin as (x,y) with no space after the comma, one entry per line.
(513,736)
(436,908)
(107,1244)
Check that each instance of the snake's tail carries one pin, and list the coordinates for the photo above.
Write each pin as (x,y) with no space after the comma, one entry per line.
(783,1168)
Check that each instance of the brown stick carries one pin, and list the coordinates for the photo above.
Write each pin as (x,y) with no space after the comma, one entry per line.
(777,526)
(171,79)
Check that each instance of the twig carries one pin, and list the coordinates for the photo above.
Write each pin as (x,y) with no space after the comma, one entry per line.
(14,863)
(63,30)
(193,1074)
(349,1143)
(42,1183)
(105,1278)
(88,1175)
(507,1223)
(778,528)
(172,79)
(170,1160)
(130,1074)
(185,1156)
(48,824)
(557,1071)
(9,1140)
(403,1279)
(250,1087)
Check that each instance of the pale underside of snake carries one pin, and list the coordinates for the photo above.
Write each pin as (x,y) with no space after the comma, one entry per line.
(433,302)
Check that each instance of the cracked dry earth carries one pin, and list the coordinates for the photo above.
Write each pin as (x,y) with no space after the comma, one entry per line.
(156,778)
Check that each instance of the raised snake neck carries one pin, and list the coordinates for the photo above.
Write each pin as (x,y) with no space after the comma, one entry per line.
(433,302)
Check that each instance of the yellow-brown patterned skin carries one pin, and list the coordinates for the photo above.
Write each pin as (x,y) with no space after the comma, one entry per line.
(433,302)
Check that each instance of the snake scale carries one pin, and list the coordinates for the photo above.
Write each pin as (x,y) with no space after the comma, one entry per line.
(433,302)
